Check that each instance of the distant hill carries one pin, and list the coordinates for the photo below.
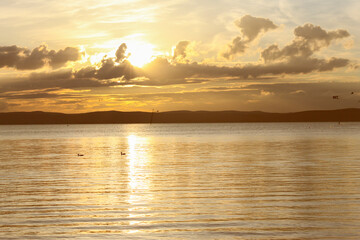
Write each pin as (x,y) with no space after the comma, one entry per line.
(341,115)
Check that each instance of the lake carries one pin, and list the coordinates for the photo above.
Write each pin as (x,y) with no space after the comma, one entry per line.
(180,181)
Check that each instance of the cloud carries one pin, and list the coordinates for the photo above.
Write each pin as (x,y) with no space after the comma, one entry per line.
(180,50)
(250,28)
(120,53)
(56,79)
(308,40)
(311,32)
(278,97)
(61,57)
(294,58)
(165,72)
(108,74)
(297,57)
(161,72)
(307,96)
(4,106)
(237,46)
(109,69)
(24,59)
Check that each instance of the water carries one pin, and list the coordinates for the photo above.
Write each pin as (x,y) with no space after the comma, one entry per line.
(180,181)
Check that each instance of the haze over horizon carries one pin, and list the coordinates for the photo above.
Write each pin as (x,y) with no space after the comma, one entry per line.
(139,55)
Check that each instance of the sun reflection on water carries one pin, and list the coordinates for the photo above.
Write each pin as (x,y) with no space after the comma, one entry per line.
(138,181)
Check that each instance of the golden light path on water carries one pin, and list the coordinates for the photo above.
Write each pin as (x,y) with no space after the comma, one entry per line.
(180,181)
(138,185)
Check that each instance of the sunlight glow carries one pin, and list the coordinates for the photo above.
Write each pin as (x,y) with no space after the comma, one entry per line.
(141,53)
(138,52)
(96,58)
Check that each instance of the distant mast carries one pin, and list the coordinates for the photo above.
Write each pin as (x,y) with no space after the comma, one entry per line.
(152,115)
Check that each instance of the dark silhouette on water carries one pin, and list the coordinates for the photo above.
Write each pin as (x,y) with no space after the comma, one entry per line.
(122,153)
(80,155)
(343,115)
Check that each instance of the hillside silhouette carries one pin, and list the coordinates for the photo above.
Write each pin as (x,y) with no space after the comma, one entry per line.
(340,115)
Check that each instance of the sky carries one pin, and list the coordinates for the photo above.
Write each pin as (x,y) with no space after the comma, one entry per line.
(139,55)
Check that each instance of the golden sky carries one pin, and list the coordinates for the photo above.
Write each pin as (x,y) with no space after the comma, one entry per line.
(139,55)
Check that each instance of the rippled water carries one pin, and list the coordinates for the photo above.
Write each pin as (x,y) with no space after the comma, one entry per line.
(180,181)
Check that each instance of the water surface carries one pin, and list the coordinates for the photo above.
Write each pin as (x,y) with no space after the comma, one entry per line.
(180,181)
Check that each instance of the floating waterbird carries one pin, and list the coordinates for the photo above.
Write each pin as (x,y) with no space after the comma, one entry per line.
(80,155)
(335,97)
(122,153)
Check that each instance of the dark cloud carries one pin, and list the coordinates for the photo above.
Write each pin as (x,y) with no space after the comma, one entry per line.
(110,70)
(108,74)
(297,57)
(35,96)
(120,53)
(9,56)
(180,50)
(161,72)
(32,60)
(311,32)
(24,59)
(308,40)
(237,46)
(250,28)
(61,57)
(57,79)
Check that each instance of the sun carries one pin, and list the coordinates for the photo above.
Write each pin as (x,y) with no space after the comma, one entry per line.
(141,53)
(138,52)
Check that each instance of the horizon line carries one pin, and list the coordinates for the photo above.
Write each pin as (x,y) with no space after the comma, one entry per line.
(314,110)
